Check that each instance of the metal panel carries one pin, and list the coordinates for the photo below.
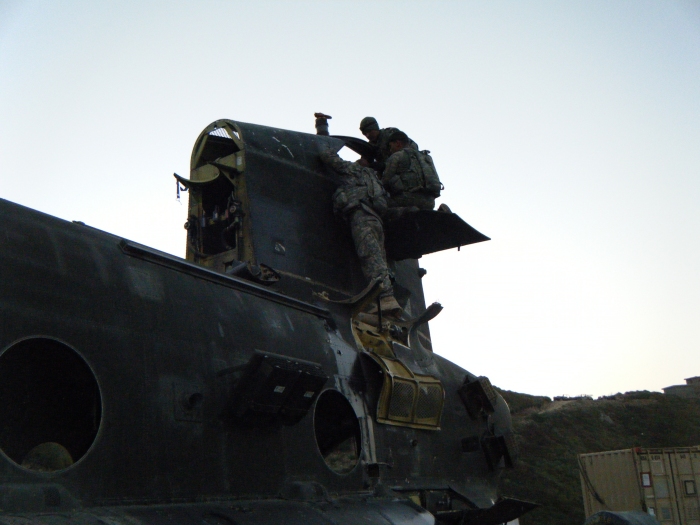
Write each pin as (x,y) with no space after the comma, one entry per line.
(612,476)
(423,232)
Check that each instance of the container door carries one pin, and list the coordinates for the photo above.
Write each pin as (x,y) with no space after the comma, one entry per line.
(685,485)
(663,489)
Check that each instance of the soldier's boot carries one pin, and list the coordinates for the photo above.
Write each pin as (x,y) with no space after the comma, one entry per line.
(390,307)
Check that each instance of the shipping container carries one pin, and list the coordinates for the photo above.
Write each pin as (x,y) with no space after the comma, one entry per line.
(660,481)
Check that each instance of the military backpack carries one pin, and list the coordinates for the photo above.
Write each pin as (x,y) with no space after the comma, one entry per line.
(430,181)
(416,173)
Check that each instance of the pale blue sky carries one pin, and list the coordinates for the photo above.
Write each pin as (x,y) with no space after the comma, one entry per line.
(569,132)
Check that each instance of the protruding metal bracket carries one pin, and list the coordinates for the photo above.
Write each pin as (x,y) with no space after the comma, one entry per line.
(430,313)
(503,511)
(497,447)
(478,396)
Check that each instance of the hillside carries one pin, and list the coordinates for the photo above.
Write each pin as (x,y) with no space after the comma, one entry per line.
(551,434)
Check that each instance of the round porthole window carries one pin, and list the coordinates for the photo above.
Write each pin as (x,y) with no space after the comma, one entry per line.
(337,432)
(50,405)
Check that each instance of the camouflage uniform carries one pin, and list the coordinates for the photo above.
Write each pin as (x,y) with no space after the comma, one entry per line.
(383,149)
(361,201)
(403,179)
(368,234)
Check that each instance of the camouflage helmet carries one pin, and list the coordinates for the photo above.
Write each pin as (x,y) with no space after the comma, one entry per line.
(368,124)
(398,135)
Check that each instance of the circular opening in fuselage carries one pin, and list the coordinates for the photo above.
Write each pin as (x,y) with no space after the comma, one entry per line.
(50,405)
(337,432)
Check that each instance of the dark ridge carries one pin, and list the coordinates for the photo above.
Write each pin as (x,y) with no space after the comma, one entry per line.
(552,434)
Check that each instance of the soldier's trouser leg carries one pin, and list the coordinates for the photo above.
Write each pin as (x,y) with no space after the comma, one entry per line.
(368,234)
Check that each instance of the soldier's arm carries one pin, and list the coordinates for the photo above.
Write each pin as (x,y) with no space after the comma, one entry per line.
(400,163)
(331,159)
(383,152)
(390,170)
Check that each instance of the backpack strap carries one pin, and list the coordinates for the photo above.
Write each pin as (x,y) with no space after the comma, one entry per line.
(412,153)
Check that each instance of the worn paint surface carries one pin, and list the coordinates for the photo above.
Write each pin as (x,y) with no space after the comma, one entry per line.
(156,367)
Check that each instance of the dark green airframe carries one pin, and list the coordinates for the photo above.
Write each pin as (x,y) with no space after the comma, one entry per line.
(243,384)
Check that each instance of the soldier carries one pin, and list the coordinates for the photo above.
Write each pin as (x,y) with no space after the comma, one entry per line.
(361,201)
(380,139)
(410,176)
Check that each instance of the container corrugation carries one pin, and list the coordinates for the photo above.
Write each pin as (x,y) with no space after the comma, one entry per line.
(612,477)
(663,482)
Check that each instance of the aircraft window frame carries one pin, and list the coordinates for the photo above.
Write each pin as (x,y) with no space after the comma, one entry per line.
(337,432)
(52,399)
